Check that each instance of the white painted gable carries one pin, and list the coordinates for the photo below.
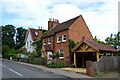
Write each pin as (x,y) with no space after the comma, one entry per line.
(28,43)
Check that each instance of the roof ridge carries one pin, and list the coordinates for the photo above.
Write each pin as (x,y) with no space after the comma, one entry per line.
(62,26)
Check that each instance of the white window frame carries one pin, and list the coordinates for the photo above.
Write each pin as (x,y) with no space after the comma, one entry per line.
(64,38)
(62,53)
(44,42)
(58,39)
(49,41)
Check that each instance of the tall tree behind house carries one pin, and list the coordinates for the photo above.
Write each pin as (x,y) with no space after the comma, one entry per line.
(20,37)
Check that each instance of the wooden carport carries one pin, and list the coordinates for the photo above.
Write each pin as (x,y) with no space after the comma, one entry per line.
(90,47)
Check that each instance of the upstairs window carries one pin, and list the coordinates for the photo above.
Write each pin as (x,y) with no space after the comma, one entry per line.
(58,39)
(61,52)
(27,44)
(36,33)
(64,38)
(49,41)
(31,43)
(44,42)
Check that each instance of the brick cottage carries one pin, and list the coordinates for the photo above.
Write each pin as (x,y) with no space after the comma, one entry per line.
(58,35)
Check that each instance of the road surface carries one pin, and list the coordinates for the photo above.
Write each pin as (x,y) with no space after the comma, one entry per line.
(15,70)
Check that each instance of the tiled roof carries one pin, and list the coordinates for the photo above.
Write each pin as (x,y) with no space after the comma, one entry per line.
(48,48)
(35,33)
(63,26)
(99,46)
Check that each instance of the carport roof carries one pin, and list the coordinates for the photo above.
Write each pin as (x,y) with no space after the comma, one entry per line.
(97,46)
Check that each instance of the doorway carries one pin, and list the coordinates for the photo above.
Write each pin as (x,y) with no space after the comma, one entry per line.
(82,57)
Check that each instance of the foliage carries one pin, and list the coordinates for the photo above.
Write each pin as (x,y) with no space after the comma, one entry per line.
(33,55)
(114,40)
(20,37)
(98,40)
(45,33)
(8,33)
(72,66)
(38,46)
(39,61)
(71,45)
(23,52)
(11,53)
(5,49)
(55,64)
(55,55)
(96,75)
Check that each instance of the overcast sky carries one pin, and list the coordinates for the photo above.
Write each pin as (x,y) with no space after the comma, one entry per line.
(101,16)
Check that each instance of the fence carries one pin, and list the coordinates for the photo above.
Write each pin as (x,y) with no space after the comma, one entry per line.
(106,63)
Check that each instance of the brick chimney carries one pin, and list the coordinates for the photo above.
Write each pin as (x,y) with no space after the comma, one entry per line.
(52,22)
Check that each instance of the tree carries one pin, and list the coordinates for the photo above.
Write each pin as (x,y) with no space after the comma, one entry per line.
(71,45)
(8,33)
(98,40)
(38,46)
(114,40)
(20,37)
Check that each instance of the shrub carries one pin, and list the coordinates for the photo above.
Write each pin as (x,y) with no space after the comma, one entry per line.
(72,66)
(38,61)
(33,55)
(55,64)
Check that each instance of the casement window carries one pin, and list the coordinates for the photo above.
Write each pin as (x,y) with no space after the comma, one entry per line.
(44,42)
(36,33)
(64,38)
(61,52)
(49,41)
(27,44)
(58,39)
(31,43)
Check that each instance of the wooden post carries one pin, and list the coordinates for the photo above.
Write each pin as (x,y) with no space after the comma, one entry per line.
(75,59)
(97,55)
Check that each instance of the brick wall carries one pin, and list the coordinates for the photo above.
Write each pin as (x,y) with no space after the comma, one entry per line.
(62,45)
(79,30)
(52,41)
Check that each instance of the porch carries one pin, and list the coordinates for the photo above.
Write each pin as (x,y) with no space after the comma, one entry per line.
(88,50)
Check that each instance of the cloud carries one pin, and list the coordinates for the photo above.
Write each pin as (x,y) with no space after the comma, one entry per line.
(100,15)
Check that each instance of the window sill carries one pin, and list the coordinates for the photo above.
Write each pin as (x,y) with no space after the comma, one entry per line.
(49,43)
(64,40)
(61,57)
(59,42)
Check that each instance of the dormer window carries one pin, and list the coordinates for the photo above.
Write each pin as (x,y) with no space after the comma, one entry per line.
(49,41)
(44,42)
(64,38)
(58,39)
(36,33)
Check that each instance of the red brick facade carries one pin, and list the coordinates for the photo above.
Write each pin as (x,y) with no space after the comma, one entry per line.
(74,29)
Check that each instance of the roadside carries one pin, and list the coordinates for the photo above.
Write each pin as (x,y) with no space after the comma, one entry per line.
(56,70)
(114,74)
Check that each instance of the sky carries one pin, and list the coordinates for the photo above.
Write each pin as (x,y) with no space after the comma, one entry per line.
(101,16)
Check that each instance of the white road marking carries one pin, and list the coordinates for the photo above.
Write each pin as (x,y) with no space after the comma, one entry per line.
(3,65)
(15,72)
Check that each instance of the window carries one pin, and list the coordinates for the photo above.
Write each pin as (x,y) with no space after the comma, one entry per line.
(64,38)
(27,44)
(61,52)
(30,44)
(36,33)
(58,39)
(44,42)
(49,41)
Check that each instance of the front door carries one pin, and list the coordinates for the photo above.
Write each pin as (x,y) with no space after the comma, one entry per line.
(48,55)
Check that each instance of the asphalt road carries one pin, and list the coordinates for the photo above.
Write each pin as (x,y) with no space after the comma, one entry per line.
(15,70)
